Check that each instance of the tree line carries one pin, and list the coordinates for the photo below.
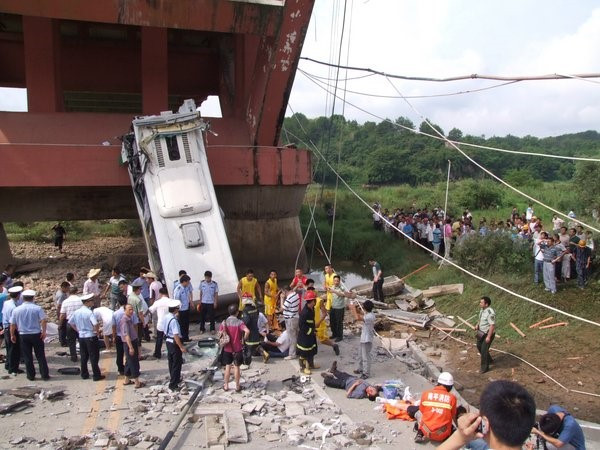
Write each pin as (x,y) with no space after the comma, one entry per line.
(384,153)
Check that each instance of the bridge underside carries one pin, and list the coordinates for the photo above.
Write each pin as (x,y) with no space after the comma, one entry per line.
(90,68)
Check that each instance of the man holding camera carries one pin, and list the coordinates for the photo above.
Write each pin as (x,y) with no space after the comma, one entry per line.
(559,429)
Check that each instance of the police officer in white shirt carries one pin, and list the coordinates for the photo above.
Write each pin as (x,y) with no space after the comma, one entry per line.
(84,322)
(175,346)
(28,324)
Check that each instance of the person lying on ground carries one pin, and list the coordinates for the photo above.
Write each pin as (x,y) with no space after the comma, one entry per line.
(560,429)
(354,386)
(505,420)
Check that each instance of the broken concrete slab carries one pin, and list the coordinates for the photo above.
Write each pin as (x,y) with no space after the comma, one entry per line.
(24,392)
(217,409)
(254,420)
(214,431)
(18,405)
(394,344)
(293,397)
(293,409)
(235,426)
(272,437)
(445,289)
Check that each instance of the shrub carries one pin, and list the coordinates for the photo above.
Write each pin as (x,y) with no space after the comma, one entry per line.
(480,194)
(495,252)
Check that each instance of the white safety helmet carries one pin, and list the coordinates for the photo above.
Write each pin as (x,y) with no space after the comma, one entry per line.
(446,379)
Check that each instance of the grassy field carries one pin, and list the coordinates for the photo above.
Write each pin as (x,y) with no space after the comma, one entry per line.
(76,230)
(355,240)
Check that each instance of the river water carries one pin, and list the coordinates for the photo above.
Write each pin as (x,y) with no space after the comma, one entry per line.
(351,273)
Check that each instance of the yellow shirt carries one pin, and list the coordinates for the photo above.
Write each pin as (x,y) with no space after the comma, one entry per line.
(329,284)
(272,288)
(249,286)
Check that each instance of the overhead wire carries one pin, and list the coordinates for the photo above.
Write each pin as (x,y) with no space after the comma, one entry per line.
(445,260)
(489,172)
(484,147)
(339,155)
(360,77)
(576,77)
(473,76)
(448,94)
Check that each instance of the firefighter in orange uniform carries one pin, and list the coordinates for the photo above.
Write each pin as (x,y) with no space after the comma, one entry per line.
(436,411)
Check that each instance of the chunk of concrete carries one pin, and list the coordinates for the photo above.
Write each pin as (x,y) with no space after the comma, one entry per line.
(294,409)
(235,427)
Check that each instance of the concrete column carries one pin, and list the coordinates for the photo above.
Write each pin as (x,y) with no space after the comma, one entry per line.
(42,64)
(5,253)
(263,228)
(155,70)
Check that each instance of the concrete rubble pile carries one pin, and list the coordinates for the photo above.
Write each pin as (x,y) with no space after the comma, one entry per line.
(291,413)
(97,439)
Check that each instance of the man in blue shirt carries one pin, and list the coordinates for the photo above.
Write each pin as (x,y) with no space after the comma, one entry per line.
(183,293)
(13,350)
(117,316)
(84,322)
(559,428)
(143,282)
(209,296)
(175,346)
(28,323)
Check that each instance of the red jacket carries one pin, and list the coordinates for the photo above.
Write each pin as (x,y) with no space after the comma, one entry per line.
(438,408)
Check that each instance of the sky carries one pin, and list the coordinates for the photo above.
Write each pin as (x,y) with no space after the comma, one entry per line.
(449,38)
(458,37)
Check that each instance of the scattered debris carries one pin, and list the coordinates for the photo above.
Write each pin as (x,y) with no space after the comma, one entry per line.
(235,426)
(472,327)
(558,324)
(407,318)
(541,322)
(516,328)
(6,408)
(392,285)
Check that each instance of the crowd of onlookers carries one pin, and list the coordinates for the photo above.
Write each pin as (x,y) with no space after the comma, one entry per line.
(561,250)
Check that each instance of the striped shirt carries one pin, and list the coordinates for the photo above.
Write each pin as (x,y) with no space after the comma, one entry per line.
(291,305)
(70,305)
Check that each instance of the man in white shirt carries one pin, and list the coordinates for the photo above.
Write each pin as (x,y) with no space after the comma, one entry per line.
(91,285)
(104,317)
(278,348)
(161,308)
(154,287)
(71,304)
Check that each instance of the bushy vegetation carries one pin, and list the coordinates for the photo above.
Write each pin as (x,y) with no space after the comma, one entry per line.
(493,253)
(480,194)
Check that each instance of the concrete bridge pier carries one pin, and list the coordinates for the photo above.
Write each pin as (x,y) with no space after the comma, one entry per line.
(5,253)
(263,228)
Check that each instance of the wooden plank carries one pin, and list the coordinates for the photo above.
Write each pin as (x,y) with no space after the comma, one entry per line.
(516,328)
(472,327)
(460,330)
(559,324)
(406,322)
(414,271)
(444,289)
(235,427)
(541,322)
